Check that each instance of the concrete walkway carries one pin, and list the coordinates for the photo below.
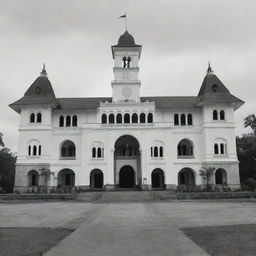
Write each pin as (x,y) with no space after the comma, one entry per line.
(127,229)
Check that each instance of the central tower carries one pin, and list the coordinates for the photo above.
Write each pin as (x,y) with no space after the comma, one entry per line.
(126,83)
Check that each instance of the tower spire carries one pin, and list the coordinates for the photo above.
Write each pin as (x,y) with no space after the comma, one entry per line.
(43,72)
(209,69)
(125,20)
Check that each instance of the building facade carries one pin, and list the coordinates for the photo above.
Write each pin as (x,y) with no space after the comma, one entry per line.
(126,141)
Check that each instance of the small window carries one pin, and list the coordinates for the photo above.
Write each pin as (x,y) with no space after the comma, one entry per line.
(190,119)
(222,149)
(32,118)
(155,152)
(34,150)
(216,149)
(222,115)
(150,118)
(142,118)
(176,119)
(119,118)
(134,118)
(61,122)
(126,118)
(93,152)
(38,117)
(215,114)
(74,121)
(183,119)
(161,154)
(215,88)
(29,150)
(39,150)
(151,151)
(68,121)
(111,119)
(99,152)
(104,119)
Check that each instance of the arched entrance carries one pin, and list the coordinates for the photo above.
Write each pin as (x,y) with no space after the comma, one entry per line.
(126,177)
(186,177)
(127,162)
(96,179)
(33,178)
(220,177)
(66,178)
(157,179)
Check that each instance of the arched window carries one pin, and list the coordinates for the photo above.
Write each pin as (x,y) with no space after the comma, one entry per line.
(142,118)
(222,115)
(38,117)
(33,178)
(155,152)
(34,150)
(104,119)
(220,177)
(111,119)
(161,152)
(129,62)
(222,149)
(124,62)
(185,148)
(216,149)
(29,150)
(93,152)
(39,150)
(215,114)
(190,119)
(150,118)
(119,118)
(215,88)
(32,118)
(68,149)
(74,121)
(176,119)
(61,121)
(134,118)
(68,121)
(126,118)
(151,152)
(99,153)
(183,119)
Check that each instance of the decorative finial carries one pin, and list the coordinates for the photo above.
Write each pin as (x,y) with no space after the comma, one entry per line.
(209,69)
(43,72)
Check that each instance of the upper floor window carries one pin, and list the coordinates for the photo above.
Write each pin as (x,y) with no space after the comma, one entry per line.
(119,118)
(126,62)
(216,115)
(134,118)
(157,150)
(220,147)
(104,119)
(126,118)
(176,119)
(150,118)
(183,119)
(97,150)
(68,121)
(111,119)
(185,148)
(142,118)
(68,149)
(36,117)
(34,148)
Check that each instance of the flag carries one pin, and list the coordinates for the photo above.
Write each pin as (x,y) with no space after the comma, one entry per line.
(122,16)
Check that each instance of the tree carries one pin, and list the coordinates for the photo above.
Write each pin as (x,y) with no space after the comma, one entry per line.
(206,173)
(7,170)
(46,174)
(1,140)
(250,121)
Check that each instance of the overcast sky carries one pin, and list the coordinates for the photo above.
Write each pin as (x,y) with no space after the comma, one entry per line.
(73,38)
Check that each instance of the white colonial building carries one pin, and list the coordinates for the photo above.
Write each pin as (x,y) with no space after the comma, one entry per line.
(126,141)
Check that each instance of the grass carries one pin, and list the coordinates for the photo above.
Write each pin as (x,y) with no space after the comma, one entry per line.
(230,240)
(29,241)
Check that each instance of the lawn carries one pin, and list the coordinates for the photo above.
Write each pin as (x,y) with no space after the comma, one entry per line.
(29,241)
(230,240)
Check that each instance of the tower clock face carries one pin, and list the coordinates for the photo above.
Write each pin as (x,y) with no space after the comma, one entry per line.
(127,92)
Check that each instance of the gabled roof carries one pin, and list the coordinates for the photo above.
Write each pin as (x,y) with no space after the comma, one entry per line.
(39,93)
(214,91)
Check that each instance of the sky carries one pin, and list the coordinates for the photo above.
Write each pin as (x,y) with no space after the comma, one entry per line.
(74,38)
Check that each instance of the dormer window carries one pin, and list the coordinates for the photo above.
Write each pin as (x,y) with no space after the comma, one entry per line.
(215,88)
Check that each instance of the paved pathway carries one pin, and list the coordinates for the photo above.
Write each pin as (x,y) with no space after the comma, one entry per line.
(127,229)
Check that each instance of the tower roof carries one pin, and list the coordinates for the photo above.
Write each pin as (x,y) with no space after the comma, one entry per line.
(214,91)
(40,92)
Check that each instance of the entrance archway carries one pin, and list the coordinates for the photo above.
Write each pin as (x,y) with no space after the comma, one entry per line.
(186,177)
(220,177)
(66,178)
(157,179)
(126,177)
(96,179)
(127,162)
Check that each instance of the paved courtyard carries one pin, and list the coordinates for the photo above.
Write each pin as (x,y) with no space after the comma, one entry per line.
(127,228)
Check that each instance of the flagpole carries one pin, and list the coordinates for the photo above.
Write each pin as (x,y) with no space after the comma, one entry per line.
(125,22)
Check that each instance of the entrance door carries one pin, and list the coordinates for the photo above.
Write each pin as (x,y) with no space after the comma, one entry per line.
(157,178)
(126,177)
(96,179)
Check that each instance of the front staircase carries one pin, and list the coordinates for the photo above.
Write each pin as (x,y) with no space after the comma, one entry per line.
(126,196)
